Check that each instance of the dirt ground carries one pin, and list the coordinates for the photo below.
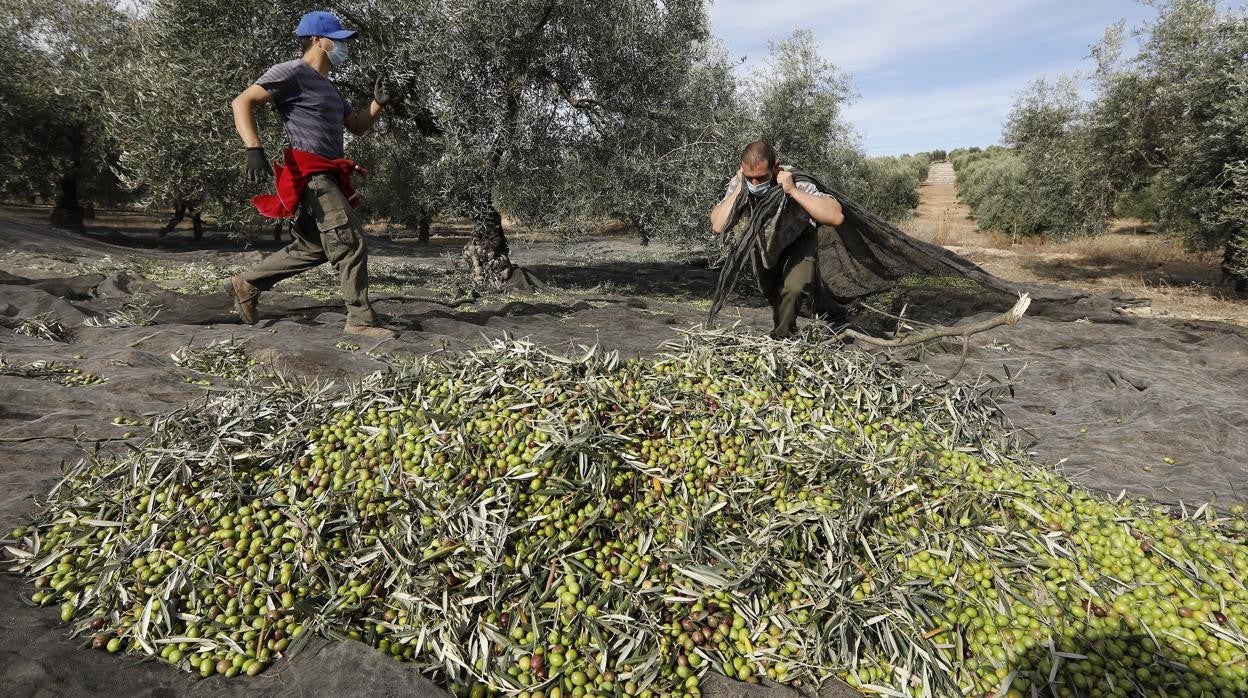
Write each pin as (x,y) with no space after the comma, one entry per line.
(1104,385)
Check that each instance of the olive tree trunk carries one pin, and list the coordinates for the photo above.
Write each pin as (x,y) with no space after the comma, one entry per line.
(1235,262)
(423,224)
(487,252)
(644,233)
(67,211)
(489,257)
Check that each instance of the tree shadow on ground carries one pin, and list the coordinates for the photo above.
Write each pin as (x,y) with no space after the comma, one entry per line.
(1149,272)
(481,318)
(180,240)
(308,312)
(1096,651)
(217,240)
(437,247)
(656,279)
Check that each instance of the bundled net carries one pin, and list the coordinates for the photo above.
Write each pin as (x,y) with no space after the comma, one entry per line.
(522,523)
(862,256)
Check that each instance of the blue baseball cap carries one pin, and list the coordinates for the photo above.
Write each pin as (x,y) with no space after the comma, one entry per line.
(321,23)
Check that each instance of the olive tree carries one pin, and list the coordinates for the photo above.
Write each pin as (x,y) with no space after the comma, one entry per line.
(892,184)
(25,108)
(556,112)
(1233,215)
(995,185)
(796,100)
(1051,180)
(658,170)
(1165,136)
(1068,192)
(404,184)
(169,106)
(1171,121)
(56,63)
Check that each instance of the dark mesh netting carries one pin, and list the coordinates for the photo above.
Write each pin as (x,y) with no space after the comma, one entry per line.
(863,256)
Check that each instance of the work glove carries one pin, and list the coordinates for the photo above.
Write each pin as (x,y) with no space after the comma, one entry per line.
(258,167)
(381,94)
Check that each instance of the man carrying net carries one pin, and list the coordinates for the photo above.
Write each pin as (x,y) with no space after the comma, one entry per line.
(805,238)
(784,213)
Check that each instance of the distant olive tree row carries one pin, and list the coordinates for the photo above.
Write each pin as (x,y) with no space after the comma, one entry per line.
(563,115)
(1163,136)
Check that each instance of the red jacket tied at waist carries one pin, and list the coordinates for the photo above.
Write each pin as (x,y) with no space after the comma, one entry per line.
(292,176)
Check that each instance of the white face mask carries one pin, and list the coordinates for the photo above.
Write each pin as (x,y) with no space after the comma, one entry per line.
(337,55)
(758,189)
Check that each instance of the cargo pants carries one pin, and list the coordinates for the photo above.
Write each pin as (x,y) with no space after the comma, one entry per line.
(785,283)
(327,229)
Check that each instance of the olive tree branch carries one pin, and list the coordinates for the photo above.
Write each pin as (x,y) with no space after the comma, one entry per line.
(1008,318)
(588,107)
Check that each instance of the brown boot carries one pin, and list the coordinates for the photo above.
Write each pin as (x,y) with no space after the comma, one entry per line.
(370,331)
(246,298)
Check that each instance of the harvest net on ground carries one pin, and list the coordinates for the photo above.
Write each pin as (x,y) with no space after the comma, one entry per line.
(514,521)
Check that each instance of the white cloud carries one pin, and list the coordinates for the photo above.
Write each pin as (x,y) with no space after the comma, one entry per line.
(941,117)
(859,36)
(932,74)
(944,117)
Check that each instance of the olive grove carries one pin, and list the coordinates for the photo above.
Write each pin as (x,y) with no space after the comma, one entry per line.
(168,105)
(56,145)
(1163,136)
(529,95)
(565,116)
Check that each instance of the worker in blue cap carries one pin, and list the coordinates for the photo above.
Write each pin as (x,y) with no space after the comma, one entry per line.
(314,181)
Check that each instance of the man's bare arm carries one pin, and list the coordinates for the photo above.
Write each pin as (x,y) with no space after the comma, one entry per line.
(360,122)
(825,210)
(244,106)
(723,209)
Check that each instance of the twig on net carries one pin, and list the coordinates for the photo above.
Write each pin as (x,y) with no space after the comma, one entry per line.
(899,318)
(1008,318)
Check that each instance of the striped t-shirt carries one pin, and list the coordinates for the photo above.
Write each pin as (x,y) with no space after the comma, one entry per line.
(310,106)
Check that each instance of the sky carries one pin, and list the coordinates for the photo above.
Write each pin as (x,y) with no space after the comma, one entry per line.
(932,74)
